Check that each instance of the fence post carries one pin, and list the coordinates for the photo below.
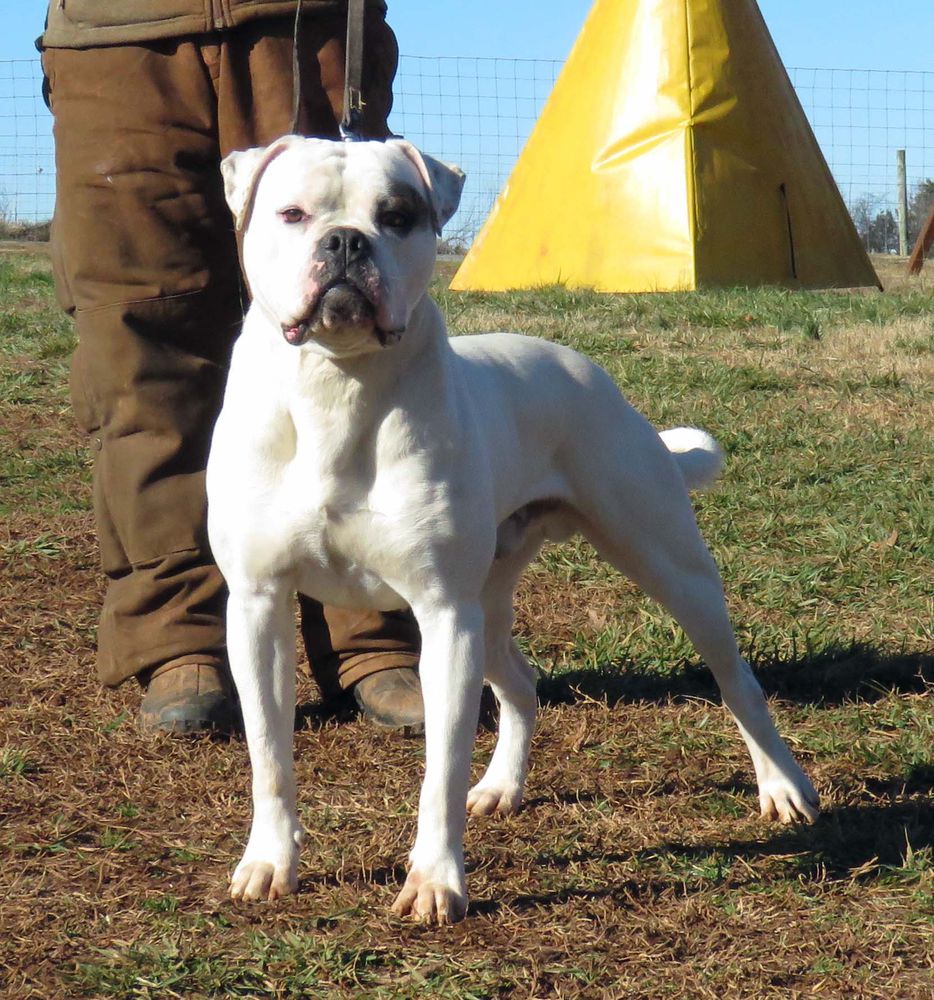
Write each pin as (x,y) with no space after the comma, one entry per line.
(902,204)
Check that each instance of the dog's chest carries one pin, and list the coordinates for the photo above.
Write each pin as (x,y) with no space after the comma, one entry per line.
(325,489)
(338,566)
(340,550)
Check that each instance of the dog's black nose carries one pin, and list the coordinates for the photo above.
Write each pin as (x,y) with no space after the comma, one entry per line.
(345,245)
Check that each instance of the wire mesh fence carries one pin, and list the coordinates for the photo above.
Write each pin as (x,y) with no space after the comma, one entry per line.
(478,112)
(27,163)
(475,112)
(861,118)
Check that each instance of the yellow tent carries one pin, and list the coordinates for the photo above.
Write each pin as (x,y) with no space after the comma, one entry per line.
(671,154)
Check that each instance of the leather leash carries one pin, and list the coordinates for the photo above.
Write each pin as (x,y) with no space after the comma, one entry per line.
(352,121)
(296,69)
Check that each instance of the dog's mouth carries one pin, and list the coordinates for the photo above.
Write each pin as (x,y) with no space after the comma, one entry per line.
(340,306)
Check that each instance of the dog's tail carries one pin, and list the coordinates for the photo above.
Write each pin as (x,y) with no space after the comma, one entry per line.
(698,455)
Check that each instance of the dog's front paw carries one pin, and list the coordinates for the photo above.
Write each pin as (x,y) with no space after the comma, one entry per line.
(485,799)
(432,899)
(267,871)
(254,880)
(789,799)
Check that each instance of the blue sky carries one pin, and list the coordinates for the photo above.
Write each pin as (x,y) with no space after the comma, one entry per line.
(865,34)
(821,34)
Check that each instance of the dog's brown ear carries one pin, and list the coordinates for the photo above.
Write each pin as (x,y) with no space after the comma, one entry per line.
(444,181)
(242,170)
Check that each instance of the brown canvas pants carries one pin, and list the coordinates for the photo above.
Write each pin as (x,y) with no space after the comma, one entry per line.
(146,261)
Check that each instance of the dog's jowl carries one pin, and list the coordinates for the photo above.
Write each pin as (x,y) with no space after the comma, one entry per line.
(366,460)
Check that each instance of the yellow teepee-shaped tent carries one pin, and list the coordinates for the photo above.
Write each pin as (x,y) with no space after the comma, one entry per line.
(671,154)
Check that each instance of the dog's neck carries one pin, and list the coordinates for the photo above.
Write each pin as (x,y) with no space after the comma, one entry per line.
(361,406)
(366,373)
(339,405)
(308,365)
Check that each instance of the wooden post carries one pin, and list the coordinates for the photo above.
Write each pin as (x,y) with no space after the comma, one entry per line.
(924,243)
(902,204)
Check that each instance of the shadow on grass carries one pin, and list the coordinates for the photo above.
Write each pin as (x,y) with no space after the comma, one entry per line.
(342,708)
(864,844)
(317,714)
(830,677)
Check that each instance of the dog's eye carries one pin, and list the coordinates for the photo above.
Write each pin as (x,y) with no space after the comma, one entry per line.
(292,215)
(394,220)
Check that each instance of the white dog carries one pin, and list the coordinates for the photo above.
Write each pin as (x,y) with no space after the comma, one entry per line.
(366,460)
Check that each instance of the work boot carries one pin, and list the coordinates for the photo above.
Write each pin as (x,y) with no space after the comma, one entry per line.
(187,698)
(392,699)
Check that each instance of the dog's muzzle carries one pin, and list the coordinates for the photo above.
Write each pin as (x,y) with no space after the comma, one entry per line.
(348,289)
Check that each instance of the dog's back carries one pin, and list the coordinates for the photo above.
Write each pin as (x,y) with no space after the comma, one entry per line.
(550,378)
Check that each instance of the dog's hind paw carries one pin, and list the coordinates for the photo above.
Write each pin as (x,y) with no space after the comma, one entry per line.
(484,800)
(255,880)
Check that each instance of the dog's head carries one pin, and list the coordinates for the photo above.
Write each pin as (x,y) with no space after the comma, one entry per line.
(339,237)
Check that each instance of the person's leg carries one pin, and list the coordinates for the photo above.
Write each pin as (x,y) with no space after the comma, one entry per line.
(253,74)
(145,262)
(372,654)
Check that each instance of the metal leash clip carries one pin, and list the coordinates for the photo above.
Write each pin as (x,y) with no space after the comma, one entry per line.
(351,124)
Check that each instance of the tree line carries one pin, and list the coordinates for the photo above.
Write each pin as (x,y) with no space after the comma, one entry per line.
(878,226)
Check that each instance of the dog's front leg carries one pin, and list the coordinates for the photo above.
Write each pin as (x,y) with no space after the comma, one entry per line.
(451,670)
(261,646)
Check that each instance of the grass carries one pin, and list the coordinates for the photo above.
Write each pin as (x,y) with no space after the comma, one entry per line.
(638,867)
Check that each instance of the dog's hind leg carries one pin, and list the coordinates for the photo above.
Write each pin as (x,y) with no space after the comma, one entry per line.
(513,681)
(662,551)
(261,647)
(511,676)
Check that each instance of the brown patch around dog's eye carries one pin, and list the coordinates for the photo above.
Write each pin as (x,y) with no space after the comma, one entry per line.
(402,210)
(396,220)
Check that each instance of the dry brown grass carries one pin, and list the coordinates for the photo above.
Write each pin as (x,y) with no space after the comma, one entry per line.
(893,273)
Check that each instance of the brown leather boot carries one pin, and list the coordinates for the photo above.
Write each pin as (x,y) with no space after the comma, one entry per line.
(188,698)
(392,699)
